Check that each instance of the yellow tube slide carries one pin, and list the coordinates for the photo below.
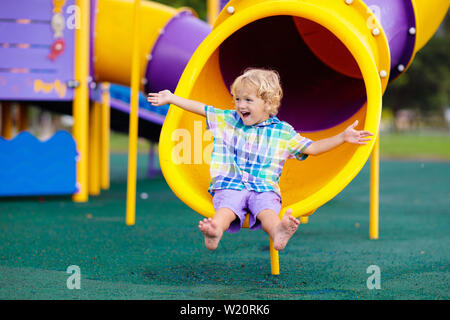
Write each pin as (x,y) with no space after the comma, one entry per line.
(307,185)
(323,94)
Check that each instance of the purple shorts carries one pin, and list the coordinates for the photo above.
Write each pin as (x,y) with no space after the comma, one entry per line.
(246,201)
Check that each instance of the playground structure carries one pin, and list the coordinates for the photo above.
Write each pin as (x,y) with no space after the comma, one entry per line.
(70,57)
(335,57)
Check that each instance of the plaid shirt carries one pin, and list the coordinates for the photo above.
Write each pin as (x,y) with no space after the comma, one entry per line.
(250,157)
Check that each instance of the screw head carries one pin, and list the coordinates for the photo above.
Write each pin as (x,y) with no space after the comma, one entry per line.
(230,9)
(348,1)
(376,31)
(412,31)
(383,74)
(400,67)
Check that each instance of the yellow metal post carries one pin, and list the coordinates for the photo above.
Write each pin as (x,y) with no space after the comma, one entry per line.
(98,138)
(81,100)
(134,105)
(7,121)
(374,189)
(304,220)
(274,260)
(22,118)
(106,115)
(212,11)
(94,149)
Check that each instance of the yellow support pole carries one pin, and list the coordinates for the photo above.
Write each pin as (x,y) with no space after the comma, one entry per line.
(106,116)
(212,11)
(22,118)
(7,121)
(134,105)
(374,189)
(304,220)
(98,138)
(81,100)
(94,149)
(274,260)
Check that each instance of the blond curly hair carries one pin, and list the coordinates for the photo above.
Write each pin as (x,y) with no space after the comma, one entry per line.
(266,83)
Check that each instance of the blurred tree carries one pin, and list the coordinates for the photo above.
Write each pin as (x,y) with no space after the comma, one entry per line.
(425,86)
(199,6)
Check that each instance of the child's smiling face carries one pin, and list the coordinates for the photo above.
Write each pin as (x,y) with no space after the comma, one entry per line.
(250,107)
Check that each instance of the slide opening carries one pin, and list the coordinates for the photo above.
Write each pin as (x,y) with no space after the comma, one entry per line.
(321,80)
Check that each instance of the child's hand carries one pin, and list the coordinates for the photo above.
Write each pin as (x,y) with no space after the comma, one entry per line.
(357,137)
(159,99)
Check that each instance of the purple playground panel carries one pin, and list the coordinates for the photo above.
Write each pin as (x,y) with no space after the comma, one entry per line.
(26,40)
(222,4)
(396,18)
(93,20)
(173,49)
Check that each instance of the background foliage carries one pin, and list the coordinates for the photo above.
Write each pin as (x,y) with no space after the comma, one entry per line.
(199,6)
(425,86)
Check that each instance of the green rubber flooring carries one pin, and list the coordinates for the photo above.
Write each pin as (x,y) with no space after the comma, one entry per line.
(162,256)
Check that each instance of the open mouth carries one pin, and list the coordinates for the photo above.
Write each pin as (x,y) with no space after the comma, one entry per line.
(245,114)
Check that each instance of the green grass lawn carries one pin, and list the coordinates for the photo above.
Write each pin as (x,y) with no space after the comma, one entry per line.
(415,145)
(119,143)
(392,145)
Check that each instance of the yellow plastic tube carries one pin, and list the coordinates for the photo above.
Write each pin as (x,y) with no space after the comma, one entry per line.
(429,15)
(322,177)
(113,43)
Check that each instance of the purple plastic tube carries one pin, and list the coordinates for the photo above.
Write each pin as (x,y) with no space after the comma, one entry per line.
(173,49)
(316,97)
(222,4)
(93,20)
(398,22)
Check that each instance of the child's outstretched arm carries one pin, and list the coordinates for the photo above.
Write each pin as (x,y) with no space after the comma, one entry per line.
(349,135)
(165,97)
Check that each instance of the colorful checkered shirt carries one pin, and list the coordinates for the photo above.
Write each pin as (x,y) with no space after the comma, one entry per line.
(250,157)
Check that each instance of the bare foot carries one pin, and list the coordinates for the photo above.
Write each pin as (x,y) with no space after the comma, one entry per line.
(212,233)
(284,230)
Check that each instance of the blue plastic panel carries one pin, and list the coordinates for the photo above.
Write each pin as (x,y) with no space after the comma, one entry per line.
(29,166)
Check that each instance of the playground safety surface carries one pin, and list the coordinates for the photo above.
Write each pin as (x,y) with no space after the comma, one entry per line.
(163,257)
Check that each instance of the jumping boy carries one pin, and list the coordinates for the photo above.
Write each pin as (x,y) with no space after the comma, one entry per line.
(251,146)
